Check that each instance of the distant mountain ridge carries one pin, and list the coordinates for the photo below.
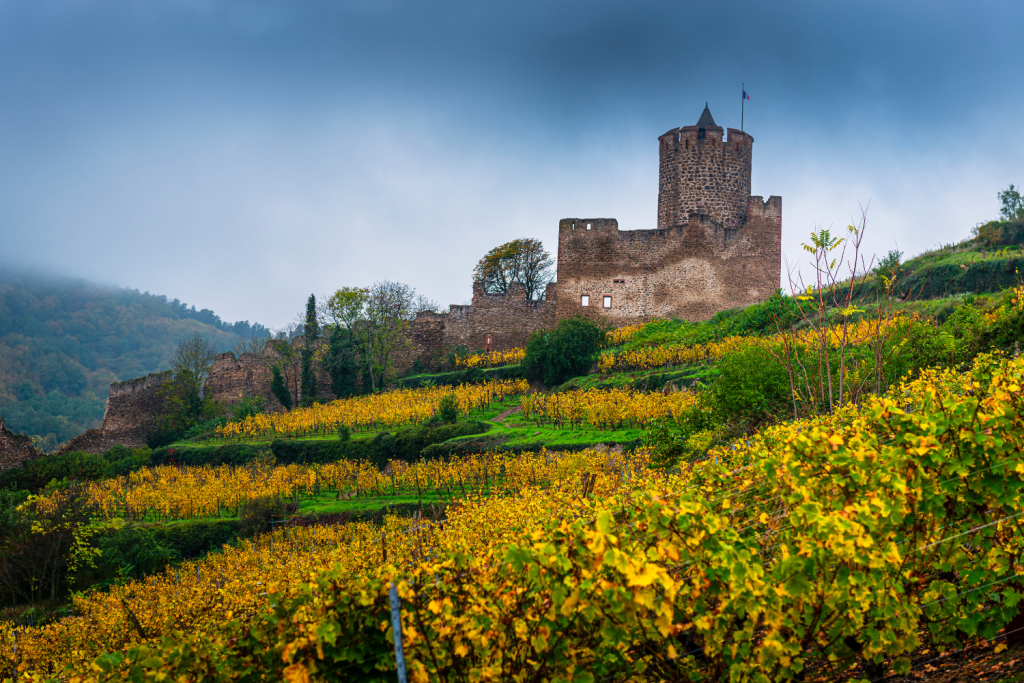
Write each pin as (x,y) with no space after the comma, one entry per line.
(63,341)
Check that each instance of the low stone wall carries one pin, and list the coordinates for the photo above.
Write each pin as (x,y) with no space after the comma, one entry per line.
(14,448)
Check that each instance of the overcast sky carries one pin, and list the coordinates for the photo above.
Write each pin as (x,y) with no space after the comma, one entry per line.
(241,155)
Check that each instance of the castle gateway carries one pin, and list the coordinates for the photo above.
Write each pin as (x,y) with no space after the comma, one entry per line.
(716,247)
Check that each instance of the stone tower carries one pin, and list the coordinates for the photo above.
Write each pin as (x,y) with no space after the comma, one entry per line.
(703,172)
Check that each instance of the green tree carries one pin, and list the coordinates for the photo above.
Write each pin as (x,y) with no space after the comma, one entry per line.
(1012,204)
(345,307)
(521,260)
(289,364)
(567,351)
(186,402)
(279,389)
(311,334)
(342,362)
(382,333)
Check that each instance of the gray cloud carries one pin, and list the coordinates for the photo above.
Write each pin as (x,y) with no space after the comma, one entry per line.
(240,155)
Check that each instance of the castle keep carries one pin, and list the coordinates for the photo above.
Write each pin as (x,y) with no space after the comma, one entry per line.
(715,247)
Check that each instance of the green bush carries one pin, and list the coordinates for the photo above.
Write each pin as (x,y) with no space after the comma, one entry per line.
(448,408)
(34,475)
(687,437)
(567,351)
(196,537)
(405,444)
(229,454)
(752,387)
(133,552)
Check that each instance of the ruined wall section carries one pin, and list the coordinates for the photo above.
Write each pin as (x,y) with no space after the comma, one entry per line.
(15,449)
(130,417)
(704,173)
(234,378)
(507,320)
(690,271)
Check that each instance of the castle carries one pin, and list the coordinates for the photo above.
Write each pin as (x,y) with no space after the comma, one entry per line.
(715,247)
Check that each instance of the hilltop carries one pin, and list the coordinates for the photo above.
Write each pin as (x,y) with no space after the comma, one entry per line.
(63,341)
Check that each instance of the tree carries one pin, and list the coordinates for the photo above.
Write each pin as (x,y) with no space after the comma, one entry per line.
(382,333)
(345,306)
(191,365)
(279,389)
(342,362)
(521,260)
(1012,208)
(567,351)
(290,367)
(311,330)
(185,400)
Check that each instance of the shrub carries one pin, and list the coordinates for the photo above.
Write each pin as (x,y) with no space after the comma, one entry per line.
(36,474)
(569,350)
(133,552)
(257,516)
(752,387)
(196,537)
(122,460)
(448,409)
(279,389)
(687,437)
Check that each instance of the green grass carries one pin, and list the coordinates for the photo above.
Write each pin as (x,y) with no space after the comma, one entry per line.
(326,504)
(517,431)
(643,380)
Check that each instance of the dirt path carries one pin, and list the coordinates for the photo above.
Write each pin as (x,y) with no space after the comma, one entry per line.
(510,411)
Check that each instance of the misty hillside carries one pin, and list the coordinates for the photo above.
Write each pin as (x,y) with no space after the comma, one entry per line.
(63,341)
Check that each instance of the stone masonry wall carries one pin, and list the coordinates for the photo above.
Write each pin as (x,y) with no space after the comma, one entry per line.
(708,176)
(130,416)
(690,271)
(232,379)
(507,320)
(14,448)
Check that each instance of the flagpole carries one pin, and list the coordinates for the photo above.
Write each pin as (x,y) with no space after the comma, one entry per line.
(743,102)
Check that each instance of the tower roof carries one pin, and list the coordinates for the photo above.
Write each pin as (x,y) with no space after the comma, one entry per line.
(706,120)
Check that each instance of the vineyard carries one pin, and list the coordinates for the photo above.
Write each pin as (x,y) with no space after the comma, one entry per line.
(649,357)
(168,493)
(848,544)
(492,359)
(370,413)
(604,408)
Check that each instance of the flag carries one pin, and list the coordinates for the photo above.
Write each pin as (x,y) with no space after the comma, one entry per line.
(745,95)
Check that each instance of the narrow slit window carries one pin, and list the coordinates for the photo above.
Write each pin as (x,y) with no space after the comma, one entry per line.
(588,226)
(607,302)
(585,300)
(619,282)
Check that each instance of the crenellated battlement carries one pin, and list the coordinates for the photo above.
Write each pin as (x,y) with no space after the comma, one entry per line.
(704,169)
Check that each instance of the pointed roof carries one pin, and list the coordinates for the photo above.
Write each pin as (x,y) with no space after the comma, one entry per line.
(706,121)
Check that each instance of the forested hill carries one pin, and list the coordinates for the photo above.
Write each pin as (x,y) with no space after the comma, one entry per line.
(63,341)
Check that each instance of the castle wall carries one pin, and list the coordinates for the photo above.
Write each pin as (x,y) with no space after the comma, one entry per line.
(15,448)
(248,376)
(690,271)
(508,320)
(130,416)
